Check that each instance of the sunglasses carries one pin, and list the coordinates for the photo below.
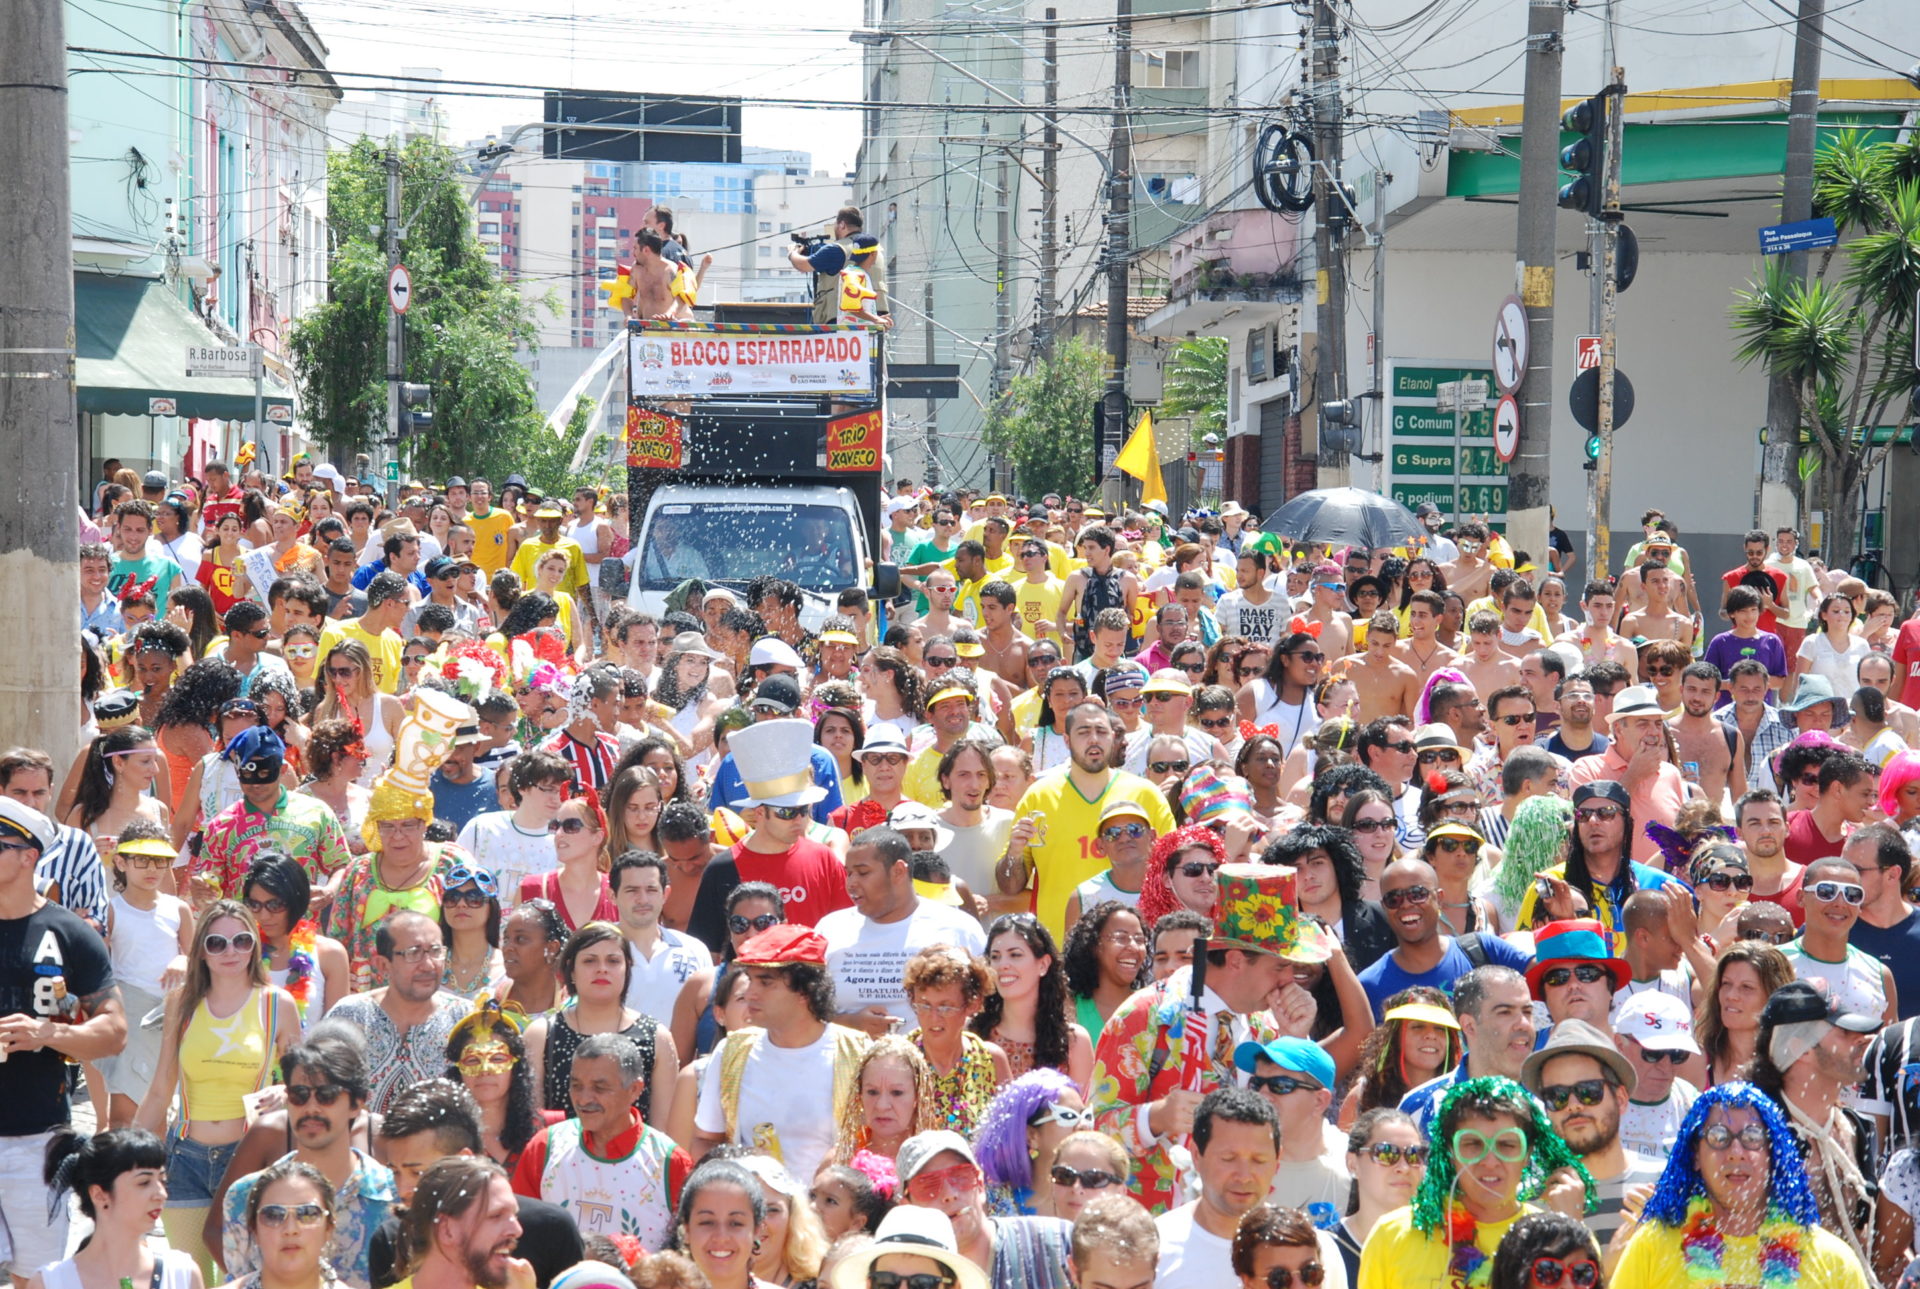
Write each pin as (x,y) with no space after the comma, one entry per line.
(1588,1092)
(1163,767)
(1653,1056)
(1718,1136)
(1659,671)
(343,673)
(1454,845)
(1130,832)
(306,1216)
(1403,747)
(1550,1273)
(1470,1147)
(897,1280)
(787,812)
(472,899)
(1216,723)
(1388,1154)
(495,1061)
(1586,975)
(257,907)
(1515,718)
(1310,657)
(1605,813)
(216,943)
(1282,1278)
(942,662)
(465,875)
(928,1188)
(325,1094)
(571,827)
(1405,895)
(1371,825)
(1828,892)
(1199,868)
(1093,1179)
(1721,881)
(1434,758)
(740,925)
(1281,1085)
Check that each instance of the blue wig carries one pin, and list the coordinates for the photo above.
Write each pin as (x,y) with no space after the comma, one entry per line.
(1787,1192)
(1001,1142)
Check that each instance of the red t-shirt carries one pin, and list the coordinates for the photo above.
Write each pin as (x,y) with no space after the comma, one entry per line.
(1906,661)
(1805,841)
(810,878)
(1788,898)
(1734,577)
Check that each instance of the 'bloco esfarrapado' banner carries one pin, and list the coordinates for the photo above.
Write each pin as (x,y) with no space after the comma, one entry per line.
(718,360)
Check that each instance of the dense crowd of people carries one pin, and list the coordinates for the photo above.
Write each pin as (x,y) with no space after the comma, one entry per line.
(1123,904)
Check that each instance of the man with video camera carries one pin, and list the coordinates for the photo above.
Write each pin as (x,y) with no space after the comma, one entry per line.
(826,286)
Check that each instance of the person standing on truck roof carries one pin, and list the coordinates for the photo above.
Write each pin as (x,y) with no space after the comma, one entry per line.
(547,519)
(847,225)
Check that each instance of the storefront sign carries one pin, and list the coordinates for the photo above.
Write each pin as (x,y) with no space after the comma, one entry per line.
(714,362)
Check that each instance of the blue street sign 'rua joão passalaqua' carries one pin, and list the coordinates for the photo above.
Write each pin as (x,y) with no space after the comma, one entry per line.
(1805,235)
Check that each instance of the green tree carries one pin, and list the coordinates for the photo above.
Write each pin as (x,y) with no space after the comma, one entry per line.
(1196,384)
(462,330)
(1845,341)
(1043,424)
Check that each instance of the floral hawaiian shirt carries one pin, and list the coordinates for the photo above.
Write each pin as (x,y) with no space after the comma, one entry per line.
(301,827)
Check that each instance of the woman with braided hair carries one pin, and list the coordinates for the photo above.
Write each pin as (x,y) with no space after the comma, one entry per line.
(1493,1151)
(1732,1207)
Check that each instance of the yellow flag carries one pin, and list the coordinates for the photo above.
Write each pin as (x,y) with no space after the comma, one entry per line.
(1141,459)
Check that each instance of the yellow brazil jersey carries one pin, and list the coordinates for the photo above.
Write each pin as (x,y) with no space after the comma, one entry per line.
(533,548)
(1025,710)
(490,539)
(386,649)
(1002,568)
(1065,858)
(1038,605)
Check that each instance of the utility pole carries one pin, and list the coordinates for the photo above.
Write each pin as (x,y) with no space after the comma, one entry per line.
(1049,185)
(38,563)
(396,358)
(1332,219)
(1528,478)
(1376,377)
(1605,240)
(1119,200)
(1777,503)
(933,408)
(997,468)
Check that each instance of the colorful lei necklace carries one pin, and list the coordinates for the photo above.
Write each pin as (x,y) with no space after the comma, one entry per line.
(301,968)
(1469,1264)
(1703,1248)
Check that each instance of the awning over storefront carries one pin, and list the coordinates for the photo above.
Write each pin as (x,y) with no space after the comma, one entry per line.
(132,337)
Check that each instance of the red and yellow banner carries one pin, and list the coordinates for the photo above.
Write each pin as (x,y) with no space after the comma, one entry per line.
(854,442)
(655,440)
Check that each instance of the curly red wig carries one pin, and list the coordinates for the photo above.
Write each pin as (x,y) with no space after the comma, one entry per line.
(1156,892)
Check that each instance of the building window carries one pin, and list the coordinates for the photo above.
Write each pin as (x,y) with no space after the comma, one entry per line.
(766,225)
(490,228)
(766,252)
(1167,69)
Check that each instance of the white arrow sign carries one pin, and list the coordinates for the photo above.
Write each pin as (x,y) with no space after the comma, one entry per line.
(399,288)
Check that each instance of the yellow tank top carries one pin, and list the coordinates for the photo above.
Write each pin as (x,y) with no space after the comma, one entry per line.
(224,1058)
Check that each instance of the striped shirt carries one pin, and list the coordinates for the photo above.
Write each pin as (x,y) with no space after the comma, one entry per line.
(73,864)
(1606,1219)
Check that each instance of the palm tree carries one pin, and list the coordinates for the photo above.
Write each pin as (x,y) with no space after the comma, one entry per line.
(1196,384)
(1846,346)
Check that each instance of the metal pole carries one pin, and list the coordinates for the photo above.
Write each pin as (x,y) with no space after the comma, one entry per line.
(1119,200)
(38,564)
(933,408)
(997,468)
(1616,103)
(1329,245)
(1376,378)
(1777,503)
(1528,482)
(1049,186)
(395,368)
(1456,509)
(259,390)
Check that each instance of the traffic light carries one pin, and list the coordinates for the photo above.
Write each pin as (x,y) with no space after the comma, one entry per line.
(412,422)
(1593,453)
(1586,157)
(1340,425)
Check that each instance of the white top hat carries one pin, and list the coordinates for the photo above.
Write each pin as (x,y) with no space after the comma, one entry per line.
(775,760)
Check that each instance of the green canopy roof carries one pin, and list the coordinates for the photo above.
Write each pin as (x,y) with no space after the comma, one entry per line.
(132,337)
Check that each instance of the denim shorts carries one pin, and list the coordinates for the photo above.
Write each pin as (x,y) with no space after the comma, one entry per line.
(194,1169)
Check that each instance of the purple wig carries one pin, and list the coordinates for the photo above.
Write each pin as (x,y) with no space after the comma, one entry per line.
(1001,1142)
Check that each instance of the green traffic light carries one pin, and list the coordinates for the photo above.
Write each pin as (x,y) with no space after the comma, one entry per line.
(1593,447)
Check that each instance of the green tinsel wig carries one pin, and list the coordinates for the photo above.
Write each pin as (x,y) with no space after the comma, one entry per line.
(1547,1151)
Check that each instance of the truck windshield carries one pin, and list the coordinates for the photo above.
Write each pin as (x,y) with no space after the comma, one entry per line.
(730,541)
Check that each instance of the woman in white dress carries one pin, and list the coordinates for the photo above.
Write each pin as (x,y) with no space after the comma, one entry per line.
(1833,651)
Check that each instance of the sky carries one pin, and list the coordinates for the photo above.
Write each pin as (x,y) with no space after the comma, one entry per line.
(746,48)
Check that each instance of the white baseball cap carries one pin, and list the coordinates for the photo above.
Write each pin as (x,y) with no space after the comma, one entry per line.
(772,651)
(1657,1021)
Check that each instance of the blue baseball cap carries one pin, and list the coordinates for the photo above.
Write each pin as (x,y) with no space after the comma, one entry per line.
(257,754)
(1300,1055)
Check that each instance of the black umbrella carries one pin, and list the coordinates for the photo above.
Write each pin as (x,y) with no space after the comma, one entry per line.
(1344,517)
